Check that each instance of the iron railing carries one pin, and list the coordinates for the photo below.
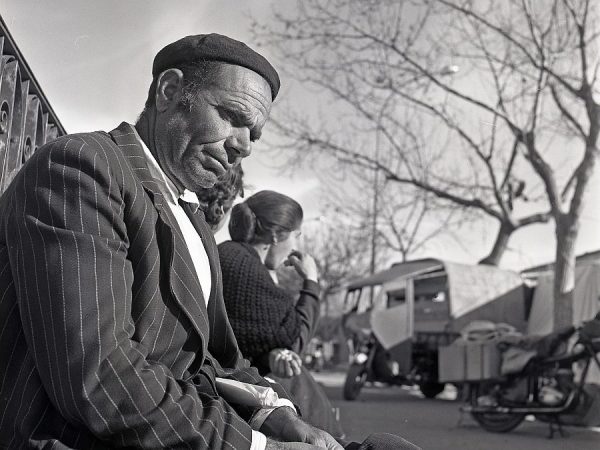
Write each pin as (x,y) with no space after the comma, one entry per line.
(27,120)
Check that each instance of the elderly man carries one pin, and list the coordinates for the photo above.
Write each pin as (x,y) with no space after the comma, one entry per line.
(113,331)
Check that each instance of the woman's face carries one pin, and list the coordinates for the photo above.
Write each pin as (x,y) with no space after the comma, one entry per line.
(279,252)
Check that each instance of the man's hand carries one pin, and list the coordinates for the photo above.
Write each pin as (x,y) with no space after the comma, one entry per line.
(284,363)
(284,425)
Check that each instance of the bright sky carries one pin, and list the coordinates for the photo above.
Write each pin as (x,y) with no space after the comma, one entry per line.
(93,60)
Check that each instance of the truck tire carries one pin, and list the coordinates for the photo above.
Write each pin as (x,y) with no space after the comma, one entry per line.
(355,380)
(430,389)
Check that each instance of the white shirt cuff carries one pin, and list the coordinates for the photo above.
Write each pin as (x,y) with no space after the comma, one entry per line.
(261,415)
(259,441)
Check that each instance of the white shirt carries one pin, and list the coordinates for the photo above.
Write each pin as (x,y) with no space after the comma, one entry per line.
(192,238)
(200,259)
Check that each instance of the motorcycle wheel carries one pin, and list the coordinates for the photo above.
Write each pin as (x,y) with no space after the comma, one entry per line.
(355,380)
(430,389)
(498,423)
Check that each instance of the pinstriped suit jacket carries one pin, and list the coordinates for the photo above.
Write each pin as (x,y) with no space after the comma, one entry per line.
(105,336)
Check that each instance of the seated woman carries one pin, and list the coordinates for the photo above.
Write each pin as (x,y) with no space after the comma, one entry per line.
(264,317)
(216,203)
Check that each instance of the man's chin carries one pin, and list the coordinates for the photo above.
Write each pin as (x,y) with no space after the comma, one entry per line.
(206,180)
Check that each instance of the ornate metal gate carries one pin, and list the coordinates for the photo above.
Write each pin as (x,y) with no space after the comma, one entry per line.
(27,120)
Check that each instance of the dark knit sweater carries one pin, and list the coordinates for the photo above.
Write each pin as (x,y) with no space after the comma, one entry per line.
(263,315)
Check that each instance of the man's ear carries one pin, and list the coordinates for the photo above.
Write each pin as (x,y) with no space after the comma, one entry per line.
(169,89)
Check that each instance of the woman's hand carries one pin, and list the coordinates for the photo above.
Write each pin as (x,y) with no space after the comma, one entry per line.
(284,363)
(304,264)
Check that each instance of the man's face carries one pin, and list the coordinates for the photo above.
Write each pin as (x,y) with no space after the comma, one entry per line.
(197,143)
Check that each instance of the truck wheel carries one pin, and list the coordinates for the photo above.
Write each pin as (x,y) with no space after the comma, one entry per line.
(431,389)
(498,423)
(355,380)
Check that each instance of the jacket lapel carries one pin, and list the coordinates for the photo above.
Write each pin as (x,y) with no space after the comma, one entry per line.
(222,344)
(183,282)
(199,222)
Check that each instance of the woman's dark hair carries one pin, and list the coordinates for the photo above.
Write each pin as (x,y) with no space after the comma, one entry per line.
(263,217)
(218,200)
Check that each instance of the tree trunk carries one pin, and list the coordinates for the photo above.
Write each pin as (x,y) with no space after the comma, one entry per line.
(504,232)
(325,293)
(564,270)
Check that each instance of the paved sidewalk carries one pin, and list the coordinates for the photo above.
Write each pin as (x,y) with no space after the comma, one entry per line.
(438,424)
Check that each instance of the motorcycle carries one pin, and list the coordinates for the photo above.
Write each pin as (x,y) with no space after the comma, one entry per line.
(371,363)
(546,387)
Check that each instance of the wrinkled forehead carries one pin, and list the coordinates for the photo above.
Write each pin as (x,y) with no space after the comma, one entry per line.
(247,85)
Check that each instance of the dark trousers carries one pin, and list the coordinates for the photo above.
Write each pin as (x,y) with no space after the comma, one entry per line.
(381,441)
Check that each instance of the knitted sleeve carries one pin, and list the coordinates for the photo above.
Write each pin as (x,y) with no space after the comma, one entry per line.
(264,316)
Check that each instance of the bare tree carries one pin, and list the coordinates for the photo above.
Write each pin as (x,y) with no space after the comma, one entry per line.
(402,221)
(341,251)
(409,224)
(513,136)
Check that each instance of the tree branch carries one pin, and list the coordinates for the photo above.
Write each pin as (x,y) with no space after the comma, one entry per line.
(506,35)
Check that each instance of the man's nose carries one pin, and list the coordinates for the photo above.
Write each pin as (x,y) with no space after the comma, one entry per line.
(238,144)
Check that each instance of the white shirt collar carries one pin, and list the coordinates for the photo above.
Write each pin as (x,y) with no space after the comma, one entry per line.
(165,185)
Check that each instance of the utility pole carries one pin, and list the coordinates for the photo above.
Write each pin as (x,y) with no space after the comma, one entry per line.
(446,70)
(375,214)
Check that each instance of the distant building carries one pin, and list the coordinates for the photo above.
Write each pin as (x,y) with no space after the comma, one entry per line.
(581,260)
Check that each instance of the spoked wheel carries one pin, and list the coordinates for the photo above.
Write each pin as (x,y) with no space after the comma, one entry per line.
(355,380)
(489,421)
(498,423)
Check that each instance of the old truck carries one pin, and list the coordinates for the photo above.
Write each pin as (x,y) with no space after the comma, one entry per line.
(398,318)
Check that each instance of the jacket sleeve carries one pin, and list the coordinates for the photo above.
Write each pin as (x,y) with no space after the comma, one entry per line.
(68,238)
(307,310)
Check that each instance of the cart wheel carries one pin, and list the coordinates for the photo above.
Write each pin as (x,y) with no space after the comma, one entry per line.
(431,389)
(498,423)
(355,380)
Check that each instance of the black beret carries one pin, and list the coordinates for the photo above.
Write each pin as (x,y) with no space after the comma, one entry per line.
(215,47)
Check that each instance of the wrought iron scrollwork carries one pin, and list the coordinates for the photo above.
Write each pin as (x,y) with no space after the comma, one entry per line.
(26,119)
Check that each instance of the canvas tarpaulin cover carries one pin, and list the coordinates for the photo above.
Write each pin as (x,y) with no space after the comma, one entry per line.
(586,299)
(470,287)
(586,303)
(474,286)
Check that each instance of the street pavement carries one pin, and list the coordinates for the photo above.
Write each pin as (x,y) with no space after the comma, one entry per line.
(438,424)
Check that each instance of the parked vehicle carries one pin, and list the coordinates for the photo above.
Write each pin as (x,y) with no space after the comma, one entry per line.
(546,387)
(371,362)
(418,307)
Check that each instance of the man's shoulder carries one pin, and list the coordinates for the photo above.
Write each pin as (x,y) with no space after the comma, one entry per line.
(80,136)
(81,144)
(92,139)
(93,152)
